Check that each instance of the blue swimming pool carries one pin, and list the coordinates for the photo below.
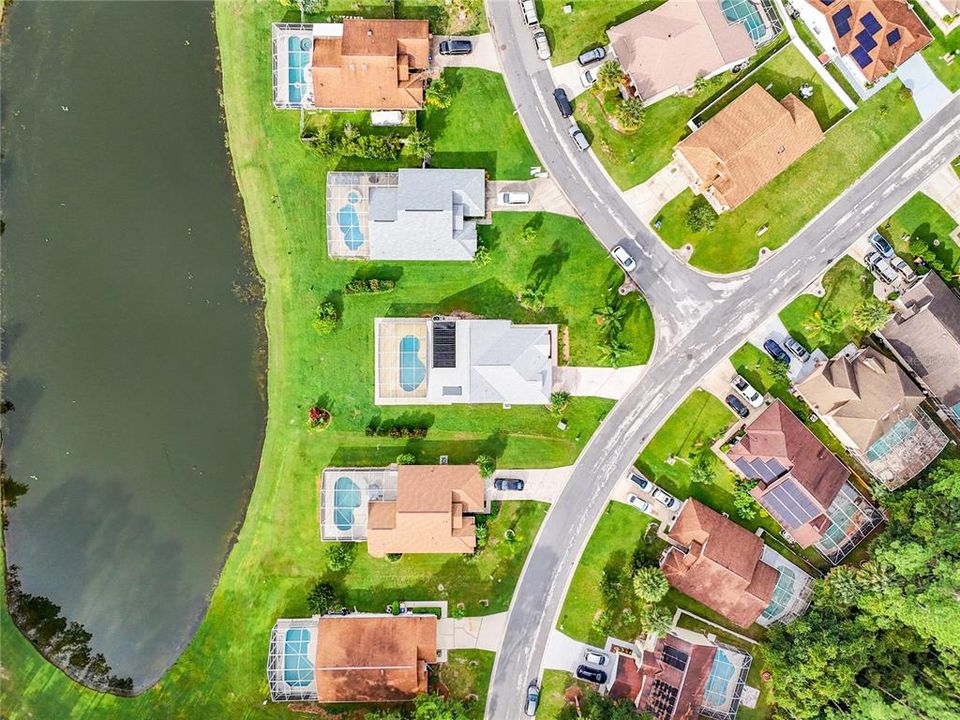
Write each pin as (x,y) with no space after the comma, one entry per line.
(349,221)
(297,667)
(412,369)
(746,12)
(717,691)
(781,593)
(346,498)
(298,63)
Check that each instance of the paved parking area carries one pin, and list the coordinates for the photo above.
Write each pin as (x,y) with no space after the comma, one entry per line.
(774,328)
(625,486)
(928,92)
(647,198)
(472,633)
(565,653)
(567,76)
(484,54)
(544,485)
(858,251)
(612,383)
(545,196)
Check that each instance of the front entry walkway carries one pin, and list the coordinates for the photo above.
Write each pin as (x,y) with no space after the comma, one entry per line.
(484,54)
(647,198)
(612,383)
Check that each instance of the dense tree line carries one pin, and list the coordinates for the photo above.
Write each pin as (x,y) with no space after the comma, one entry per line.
(882,641)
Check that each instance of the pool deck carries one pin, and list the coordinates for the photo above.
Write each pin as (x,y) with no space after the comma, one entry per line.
(341,187)
(382,480)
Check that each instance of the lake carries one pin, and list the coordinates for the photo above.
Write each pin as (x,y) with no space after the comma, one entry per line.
(133,353)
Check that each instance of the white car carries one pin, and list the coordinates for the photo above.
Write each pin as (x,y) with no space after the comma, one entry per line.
(594,657)
(543,45)
(665,498)
(746,391)
(588,77)
(624,258)
(901,266)
(513,198)
(641,505)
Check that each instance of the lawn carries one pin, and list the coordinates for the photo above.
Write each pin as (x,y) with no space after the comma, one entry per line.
(585,27)
(794,197)
(552,688)
(278,556)
(456,17)
(466,677)
(846,285)
(781,75)
(942,44)
(816,48)
(632,158)
(923,219)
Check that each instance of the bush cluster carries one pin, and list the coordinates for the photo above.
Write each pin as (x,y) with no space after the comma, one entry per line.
(396,431)
(360,286)
(350,142)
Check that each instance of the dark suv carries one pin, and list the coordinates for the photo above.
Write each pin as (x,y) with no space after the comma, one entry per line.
(456,47)
(566,109)
(508,484)
(738,407)
(585,672)
(776,352)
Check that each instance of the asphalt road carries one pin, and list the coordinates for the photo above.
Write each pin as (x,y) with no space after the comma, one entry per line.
(700,320)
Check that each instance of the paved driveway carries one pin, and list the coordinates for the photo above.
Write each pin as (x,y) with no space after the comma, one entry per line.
(567,76)
(544,485)
(928,92)
(484,632)
(943,187)
(612,383)
(484,54)
(565,653)
(648,197)
(626,486)
(545,196)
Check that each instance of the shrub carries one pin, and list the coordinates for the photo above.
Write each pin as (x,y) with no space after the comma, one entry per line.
(743,501)
(406,459)
(340,556)
(486,464)
(559,401)
(395,607)
(630,113)
(327,318)
(360,286)
(871,315)
(701,216)
(419,143)
(703,471)
(323,599)
(394,557)
(532,298)
(318,418)
(609,75)
(482,256)
(437,93)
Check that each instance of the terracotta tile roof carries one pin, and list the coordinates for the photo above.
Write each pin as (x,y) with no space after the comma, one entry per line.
(428,514)
(865,396)
(925,332)
(878,34)
(374,658)
(748,143)
(375,65)
(722,567)
(668,48)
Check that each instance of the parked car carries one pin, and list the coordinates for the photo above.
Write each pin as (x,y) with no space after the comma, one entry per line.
(508,484)
(880,244)
(456,47)
(533,699)
(775,351)
(579,139)
(566,109)
(588,77)
(585,672)
(529,10)
(738,407)
(625,259)
(591,56)
(543,45)
(595,657)
(881,267)
(796,349)
(641,505)
(640,481)
(747,390)
(901,266)
(513,198)
(664,498)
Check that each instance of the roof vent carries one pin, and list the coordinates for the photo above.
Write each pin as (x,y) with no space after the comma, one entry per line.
(369,32)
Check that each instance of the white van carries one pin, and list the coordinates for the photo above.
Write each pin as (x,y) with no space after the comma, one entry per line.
(529,10)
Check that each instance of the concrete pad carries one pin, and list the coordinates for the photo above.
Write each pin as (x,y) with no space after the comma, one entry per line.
(484,53)
(647,198)
(929,94)
(625,486)
(543,485)
(612,383)
(567,76)
(564,653)
(943,187)
(545,196)
(484,632)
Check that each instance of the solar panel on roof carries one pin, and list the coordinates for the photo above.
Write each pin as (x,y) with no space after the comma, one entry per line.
(861,56)
(893,37)
(675,658)
(790,505)
(776,467)
(746,468)
(841,24)
(870,23)
(866,40)
(444,344)
(663,698)
(844,13)
(762,470)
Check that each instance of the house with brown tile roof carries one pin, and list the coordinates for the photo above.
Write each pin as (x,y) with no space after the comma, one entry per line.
(359,64)
(877,35)
(746,145)
(924,334)
(351,658)
(663,51)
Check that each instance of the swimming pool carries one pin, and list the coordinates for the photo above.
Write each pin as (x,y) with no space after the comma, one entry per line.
(746,12)
(717,691)
(349,221)
(297,668)
(412,369)
(346,498)
(782,593)
(298,63)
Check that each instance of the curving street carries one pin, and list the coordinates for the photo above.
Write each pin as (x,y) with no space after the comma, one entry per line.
(700,320)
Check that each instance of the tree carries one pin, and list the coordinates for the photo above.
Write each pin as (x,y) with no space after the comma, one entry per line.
(650,584)
(825,322)
(528,235)
(340,556)
(610,316)
(700,216)
(609,76)
(702,470)
(559,401)
(327,318)
(630,113)
(743,501)
(323,599)
(613,350)
(655,619)
(406,459)
(532,298)
(438,94)
(486,464)
(871,315)
(419,143)
(700,84)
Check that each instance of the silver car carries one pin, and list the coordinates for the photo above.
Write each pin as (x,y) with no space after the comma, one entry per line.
(881,267)
(543,45)
(796,349)
(901,266)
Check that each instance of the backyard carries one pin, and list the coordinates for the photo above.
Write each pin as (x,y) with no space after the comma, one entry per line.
(922,219)
(861,139)
(807,38)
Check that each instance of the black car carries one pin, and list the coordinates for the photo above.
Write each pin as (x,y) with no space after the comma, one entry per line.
(585,672)
(508,484)
(738,407)
(776,352)
(560,95)
(592,56)
(456,47)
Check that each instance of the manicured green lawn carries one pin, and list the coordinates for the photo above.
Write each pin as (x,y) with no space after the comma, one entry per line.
(466,677)
(278,555)
(949,74)
(552,688)
(795,196)
(781,75)
(586,27)
(923,219)
(446,18)
(955,164)
(846,285)
(816,48)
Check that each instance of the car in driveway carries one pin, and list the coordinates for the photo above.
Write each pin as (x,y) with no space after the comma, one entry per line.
(563,102)
(775,351)
(588,77)
(640,504)
(595,657)
(881,267)
(734,403)
(591,56)
(796,349)
(543,45)
(579,139)
(513,197)
(585,672)
(665,498)
(508,484)
(529,10)
(640,481)
(456,47)
(880,244)
(747,391)
(902,267)
(533,700)
(625,259)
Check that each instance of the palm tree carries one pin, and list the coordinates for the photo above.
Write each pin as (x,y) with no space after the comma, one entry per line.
(822,324)
(630,113)
(609,75)
(613,350)
(610,316)
(871,315)
(650,584)
(420,143)
(531,297)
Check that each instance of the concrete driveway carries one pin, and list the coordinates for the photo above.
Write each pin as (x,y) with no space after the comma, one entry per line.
(626,486)
(484,54)
(543,485)
(928,92)
(612,383)
(545,196)
(647,198)
(567,76)
(565,653)
(774,328)
(484,632)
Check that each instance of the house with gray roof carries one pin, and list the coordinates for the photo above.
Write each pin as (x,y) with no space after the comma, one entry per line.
(441,361)
(413,214)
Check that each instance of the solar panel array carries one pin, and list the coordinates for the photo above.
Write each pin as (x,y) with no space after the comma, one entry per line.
(841,20)
(861,56)
(444,344)
(790,504)
(663,698)
(675,658)
(870,23)
(759,469)
(893,37)
(866,40)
